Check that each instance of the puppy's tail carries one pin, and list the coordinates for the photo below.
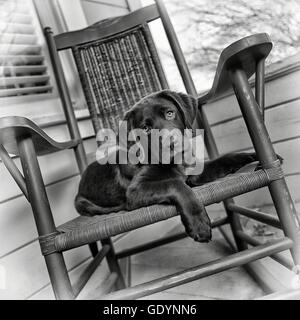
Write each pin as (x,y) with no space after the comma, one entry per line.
(86,207)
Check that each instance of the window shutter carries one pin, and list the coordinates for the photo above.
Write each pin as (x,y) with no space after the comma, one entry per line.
(23,69)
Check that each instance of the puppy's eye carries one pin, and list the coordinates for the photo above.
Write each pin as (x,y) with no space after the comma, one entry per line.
(146,129)
(170,115)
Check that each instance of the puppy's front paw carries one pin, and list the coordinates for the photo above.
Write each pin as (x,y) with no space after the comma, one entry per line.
(200,232)
(198,226)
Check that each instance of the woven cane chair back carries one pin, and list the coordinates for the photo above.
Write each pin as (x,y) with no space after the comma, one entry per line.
(116,72)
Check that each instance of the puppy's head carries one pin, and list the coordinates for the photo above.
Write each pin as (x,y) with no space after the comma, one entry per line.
(166,110)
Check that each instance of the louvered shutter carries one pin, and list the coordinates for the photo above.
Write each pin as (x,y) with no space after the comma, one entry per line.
(23,69)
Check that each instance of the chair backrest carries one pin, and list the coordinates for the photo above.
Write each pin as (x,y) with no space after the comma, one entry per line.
(118,71)
(118,65)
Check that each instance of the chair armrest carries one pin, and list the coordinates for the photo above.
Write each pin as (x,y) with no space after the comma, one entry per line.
(245,54)
(14,129)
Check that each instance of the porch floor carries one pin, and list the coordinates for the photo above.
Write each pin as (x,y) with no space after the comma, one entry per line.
(177,256)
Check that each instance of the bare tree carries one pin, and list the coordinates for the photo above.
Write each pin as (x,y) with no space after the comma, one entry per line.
(206,27)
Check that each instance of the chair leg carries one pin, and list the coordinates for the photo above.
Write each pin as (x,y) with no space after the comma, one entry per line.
(287,215)
(212,151)
(267,156)
(43,218)
(59,276)
(113,263)
(94,249)
(235,225)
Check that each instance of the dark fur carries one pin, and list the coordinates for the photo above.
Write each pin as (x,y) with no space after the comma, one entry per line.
(109,188)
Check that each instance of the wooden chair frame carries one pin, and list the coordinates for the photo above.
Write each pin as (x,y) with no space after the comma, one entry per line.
(22,137)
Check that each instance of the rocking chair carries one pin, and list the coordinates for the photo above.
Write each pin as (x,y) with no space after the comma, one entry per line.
(118,65)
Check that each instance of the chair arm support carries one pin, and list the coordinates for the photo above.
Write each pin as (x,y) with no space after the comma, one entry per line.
(244,54)
(14,129)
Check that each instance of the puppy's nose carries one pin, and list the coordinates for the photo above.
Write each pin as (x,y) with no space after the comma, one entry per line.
(172,142)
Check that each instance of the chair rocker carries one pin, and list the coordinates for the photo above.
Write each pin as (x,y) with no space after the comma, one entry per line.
(118,65)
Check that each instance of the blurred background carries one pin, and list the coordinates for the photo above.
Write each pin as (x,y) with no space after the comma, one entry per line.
(205,28)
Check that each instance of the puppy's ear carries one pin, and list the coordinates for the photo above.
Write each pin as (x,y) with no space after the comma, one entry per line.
(186,104)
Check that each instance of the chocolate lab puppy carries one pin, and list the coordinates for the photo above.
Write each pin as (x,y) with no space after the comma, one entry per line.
(113,187)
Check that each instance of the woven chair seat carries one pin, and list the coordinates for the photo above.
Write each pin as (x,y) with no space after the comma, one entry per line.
(83,230)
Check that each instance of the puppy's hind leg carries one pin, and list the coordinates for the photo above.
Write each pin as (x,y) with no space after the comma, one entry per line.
(222,166)
(86,207)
